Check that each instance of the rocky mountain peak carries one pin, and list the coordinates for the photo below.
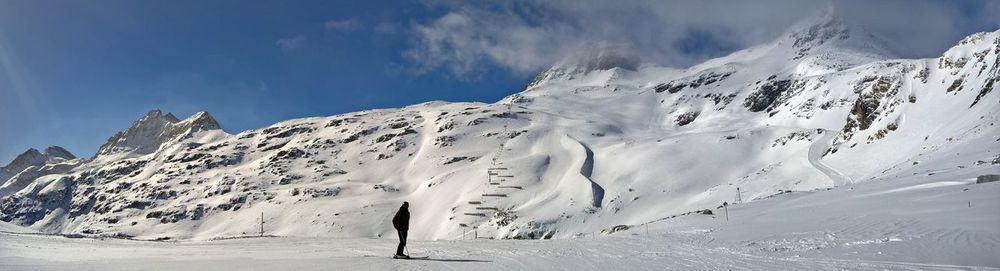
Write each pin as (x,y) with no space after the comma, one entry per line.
(829,32)
(58,152)
(600,56)
(976,45)
(30,156)
(33,157)
(150,131)
(203,121)
(821,31)
(171,118)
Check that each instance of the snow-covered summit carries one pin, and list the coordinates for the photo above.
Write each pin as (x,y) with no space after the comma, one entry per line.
(150,131)
(815,46)
(831,32)
(823,44)
(974,49)
(58,152)
(31,164)
(592,57)
(33,157)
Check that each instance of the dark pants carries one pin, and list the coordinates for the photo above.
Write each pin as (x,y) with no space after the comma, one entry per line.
(402,242)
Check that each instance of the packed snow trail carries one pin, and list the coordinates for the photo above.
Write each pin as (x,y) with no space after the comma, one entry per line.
(664,252)
(816,152)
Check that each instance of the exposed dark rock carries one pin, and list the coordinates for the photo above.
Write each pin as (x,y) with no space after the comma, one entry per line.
(686,118)
(703,79)
(459,159)
(273,132)
(616,228)
(444,141)
(477,121)
(398,125)
(446,126)
(986,89)
(765,96)
(198,212)
(670,87)
(955,86)
(292,153)
(390,136)
(329,191)
(358,135)
(385,188)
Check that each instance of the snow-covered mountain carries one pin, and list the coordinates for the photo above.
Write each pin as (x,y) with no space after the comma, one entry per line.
(32,164)
(33,157)
(153,130)
(588,145)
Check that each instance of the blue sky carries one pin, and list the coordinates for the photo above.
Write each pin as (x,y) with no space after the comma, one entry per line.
(85,71)
(72,73)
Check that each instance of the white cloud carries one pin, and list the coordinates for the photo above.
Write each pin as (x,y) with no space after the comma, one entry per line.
(527,36)
(291,43)
(342,25)
(460,42)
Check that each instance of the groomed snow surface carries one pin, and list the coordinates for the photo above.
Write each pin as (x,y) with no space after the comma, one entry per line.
(920,223)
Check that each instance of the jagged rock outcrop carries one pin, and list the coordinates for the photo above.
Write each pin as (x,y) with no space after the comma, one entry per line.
(148,133)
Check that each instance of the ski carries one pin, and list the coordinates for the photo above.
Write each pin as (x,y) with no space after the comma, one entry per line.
(409,257)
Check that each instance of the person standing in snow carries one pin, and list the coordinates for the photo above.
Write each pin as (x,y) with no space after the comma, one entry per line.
(401,221)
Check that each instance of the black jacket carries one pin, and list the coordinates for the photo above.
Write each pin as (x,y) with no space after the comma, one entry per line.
(402,220)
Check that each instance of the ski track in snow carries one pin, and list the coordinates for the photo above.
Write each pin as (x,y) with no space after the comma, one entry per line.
(923,186)
(816,151)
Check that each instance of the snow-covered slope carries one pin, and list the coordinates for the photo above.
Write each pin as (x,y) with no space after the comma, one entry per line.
(583,148)
(927,223)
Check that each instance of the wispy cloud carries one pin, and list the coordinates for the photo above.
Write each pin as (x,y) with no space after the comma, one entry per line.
(291,43)
(342,25)
(527,36)
(386,28)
